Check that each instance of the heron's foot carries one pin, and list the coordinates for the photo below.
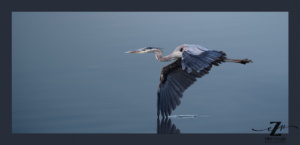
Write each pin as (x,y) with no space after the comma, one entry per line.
(244,61)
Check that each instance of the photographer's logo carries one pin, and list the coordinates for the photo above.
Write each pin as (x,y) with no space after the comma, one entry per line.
(276,127)
(273,131)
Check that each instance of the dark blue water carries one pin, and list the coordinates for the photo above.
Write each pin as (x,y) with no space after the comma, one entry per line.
(70,73)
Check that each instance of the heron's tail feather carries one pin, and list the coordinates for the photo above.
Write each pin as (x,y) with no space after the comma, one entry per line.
(220,59)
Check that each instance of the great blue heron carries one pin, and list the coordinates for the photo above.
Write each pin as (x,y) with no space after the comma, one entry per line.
(192,61)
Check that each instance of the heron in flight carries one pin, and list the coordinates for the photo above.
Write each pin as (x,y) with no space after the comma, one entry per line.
(192,61)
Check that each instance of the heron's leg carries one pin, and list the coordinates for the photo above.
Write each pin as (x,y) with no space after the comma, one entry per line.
(242,61)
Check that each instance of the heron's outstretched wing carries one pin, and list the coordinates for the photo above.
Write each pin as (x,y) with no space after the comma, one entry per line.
(173,82)
(198,57)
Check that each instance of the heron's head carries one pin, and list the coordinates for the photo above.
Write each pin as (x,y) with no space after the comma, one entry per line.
(145,50)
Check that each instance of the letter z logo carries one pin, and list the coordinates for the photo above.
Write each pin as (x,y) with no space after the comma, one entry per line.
(275,128)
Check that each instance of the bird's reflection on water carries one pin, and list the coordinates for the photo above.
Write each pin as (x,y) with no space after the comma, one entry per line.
(165,126)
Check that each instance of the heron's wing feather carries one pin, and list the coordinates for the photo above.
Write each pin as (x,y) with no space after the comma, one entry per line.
(195,57)
(173,82)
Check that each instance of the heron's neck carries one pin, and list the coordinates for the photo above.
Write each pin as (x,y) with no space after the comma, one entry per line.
(159,56)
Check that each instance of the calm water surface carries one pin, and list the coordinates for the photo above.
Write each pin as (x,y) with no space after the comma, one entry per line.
(70,73)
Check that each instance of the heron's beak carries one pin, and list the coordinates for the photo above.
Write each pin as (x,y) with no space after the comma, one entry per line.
(134,51)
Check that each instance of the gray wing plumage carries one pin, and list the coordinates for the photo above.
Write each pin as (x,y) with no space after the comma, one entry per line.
(173,82)
(175,79)
(198,57)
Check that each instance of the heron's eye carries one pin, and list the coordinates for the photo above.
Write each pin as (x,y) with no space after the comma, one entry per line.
(144,49)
